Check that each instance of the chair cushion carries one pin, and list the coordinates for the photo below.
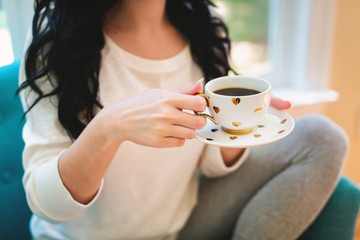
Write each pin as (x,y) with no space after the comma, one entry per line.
(15,213)
(337,219)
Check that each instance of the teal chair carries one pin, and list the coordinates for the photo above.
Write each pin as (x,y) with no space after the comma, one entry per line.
(335,222)
(338,219)
(14,212)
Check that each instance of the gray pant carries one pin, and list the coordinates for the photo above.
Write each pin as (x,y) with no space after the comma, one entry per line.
(277,192)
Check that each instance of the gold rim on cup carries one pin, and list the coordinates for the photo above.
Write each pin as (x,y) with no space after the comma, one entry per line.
(238,132)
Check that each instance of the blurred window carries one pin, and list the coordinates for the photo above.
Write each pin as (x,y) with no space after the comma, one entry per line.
(15,22)
(247,21)
(6,50)
(287,42)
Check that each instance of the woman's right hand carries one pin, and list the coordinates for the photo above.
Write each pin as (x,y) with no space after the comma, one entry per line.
(154,118)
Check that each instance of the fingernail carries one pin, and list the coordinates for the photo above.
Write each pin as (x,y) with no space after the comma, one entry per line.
(201,80)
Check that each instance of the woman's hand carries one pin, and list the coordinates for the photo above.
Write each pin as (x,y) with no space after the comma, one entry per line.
(231,155)
(154,118)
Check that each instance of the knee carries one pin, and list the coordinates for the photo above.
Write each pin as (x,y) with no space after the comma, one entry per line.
(325,137)
(323,130)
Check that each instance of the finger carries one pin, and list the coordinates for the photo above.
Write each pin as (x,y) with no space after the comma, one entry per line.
(189,121)
(280,104)
(189,102)
(178,131)
(168,142)
(196,88)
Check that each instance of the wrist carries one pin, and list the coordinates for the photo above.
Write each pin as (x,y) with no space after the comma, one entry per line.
(106,128)
(231,155)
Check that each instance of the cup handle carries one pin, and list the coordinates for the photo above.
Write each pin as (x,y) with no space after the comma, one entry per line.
(207,99)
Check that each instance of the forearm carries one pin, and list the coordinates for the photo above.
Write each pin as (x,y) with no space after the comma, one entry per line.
(83,166)
(85,163)
(231,155)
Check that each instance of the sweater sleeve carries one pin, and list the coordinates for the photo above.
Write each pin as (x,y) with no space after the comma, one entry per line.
(212,164)
(45,139)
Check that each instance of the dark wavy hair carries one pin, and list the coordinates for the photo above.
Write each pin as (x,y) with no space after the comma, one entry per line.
(68,38)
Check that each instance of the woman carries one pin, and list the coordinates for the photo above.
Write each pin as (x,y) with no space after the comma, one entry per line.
(110,155)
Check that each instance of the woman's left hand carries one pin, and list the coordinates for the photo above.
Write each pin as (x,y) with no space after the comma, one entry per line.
(231,155)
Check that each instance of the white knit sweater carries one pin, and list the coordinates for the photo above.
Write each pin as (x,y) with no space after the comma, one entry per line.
(147,193)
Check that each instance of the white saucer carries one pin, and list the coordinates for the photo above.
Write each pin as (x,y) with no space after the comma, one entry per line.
(275,126)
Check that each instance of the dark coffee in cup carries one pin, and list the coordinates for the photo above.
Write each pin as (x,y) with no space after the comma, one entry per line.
(236,91)
(238,103)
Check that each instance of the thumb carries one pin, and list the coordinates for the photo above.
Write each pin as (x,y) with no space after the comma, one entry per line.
(196,88)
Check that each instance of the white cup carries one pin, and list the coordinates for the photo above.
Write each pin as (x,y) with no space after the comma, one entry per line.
(237,114)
